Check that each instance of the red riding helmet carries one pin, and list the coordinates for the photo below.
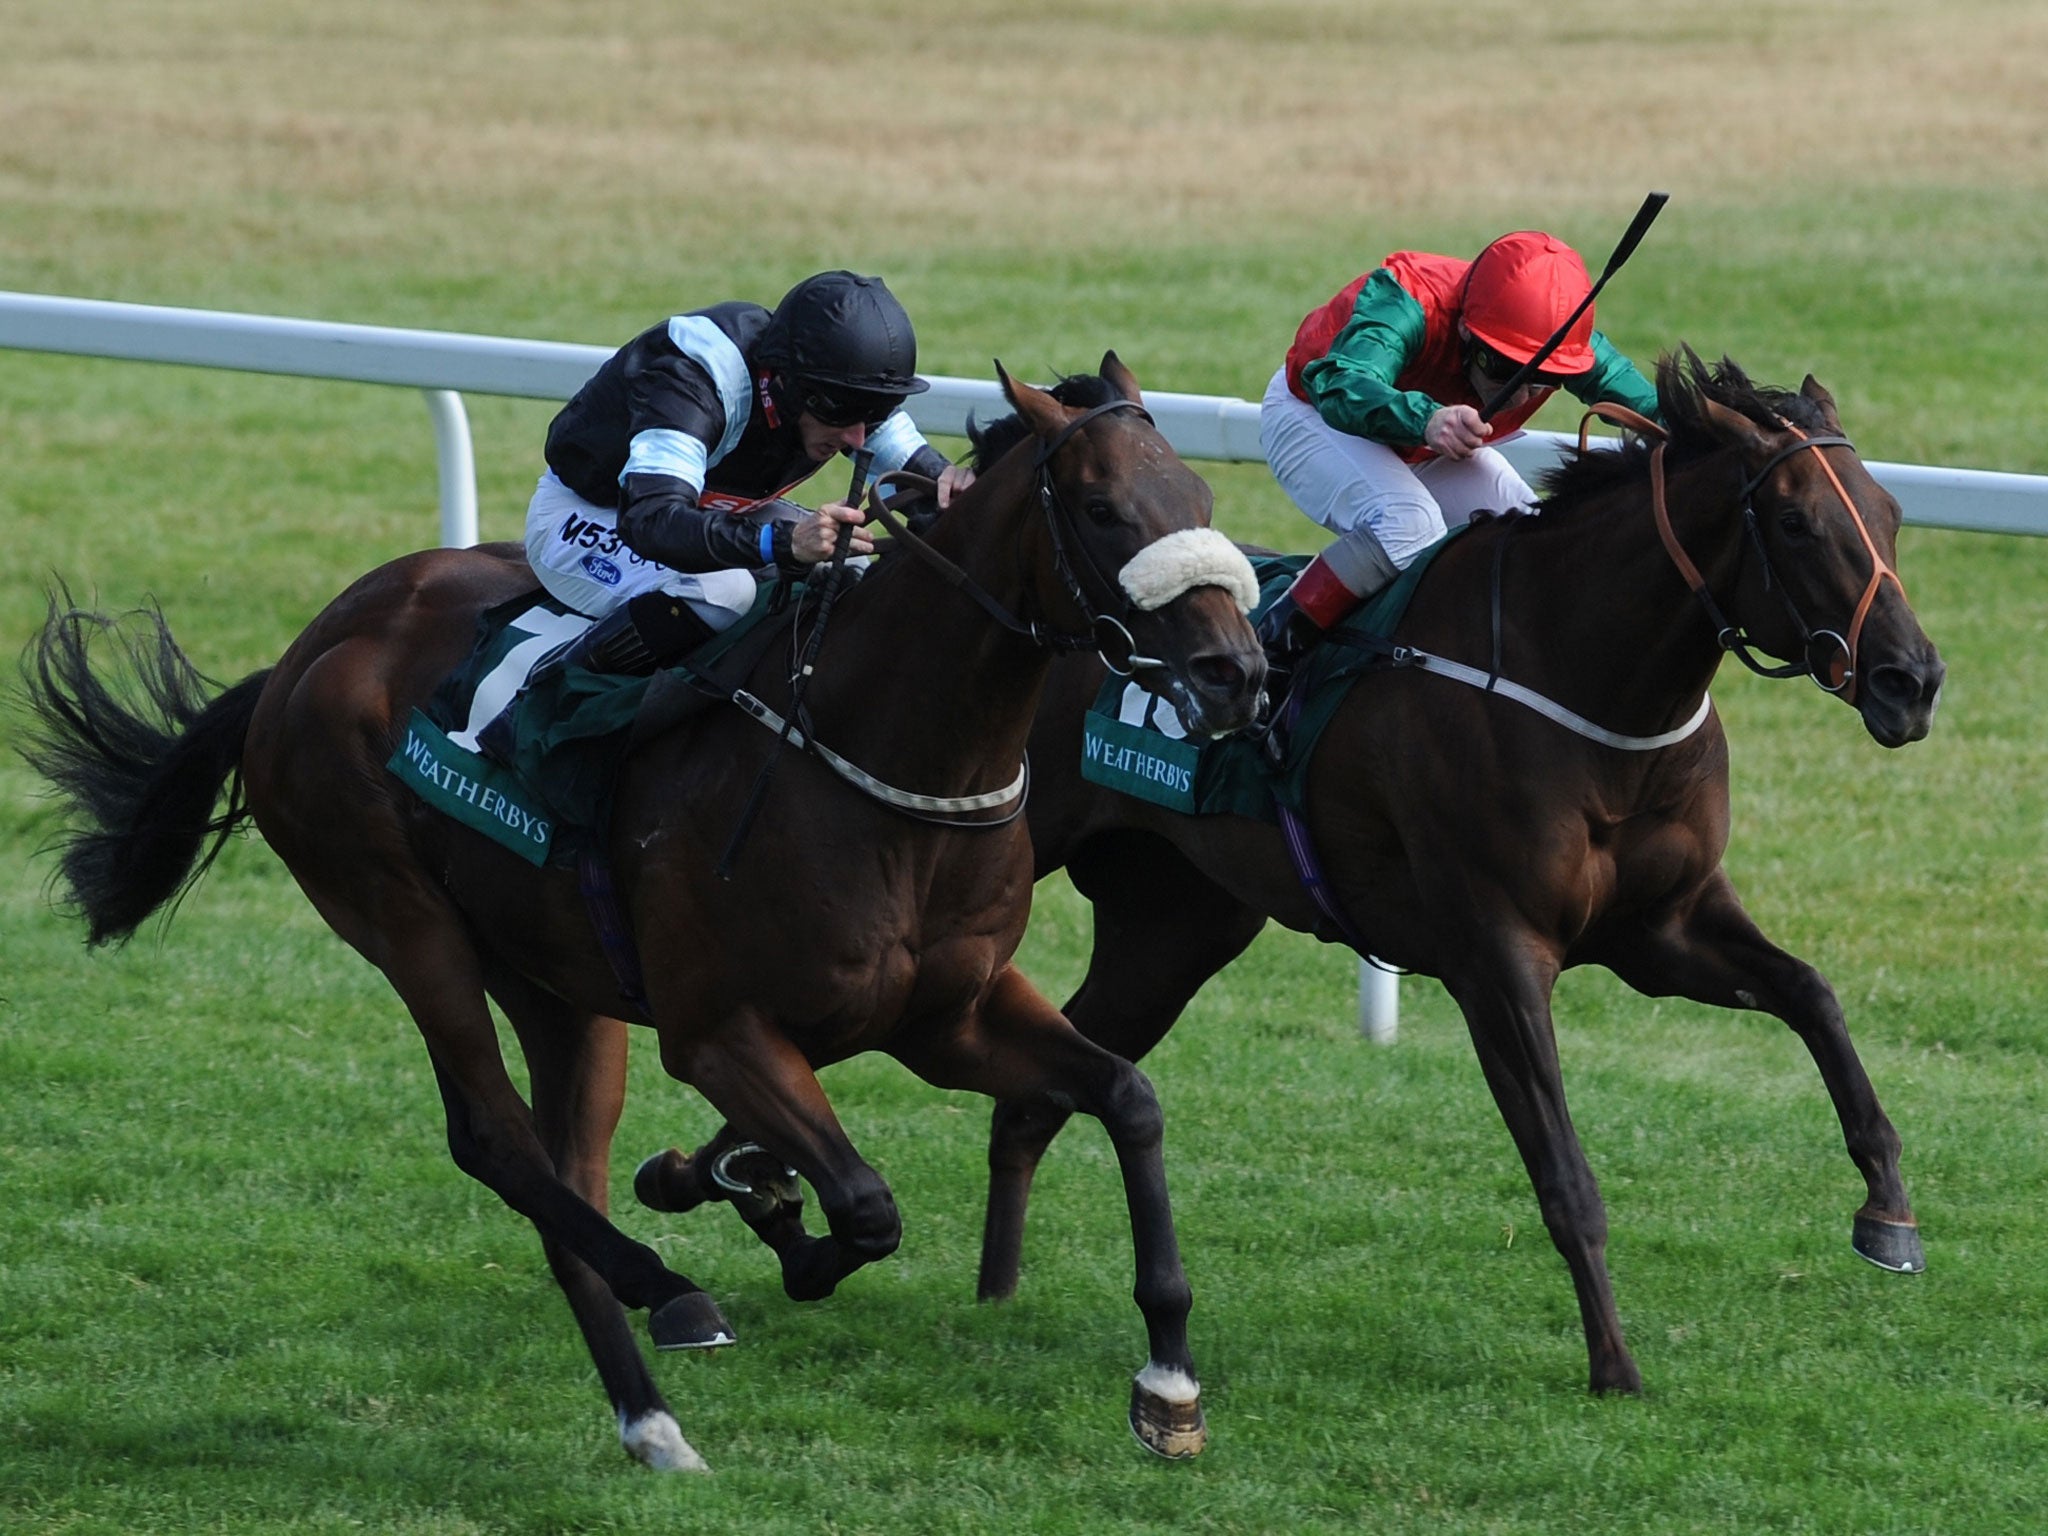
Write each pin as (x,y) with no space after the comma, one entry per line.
(1520,289)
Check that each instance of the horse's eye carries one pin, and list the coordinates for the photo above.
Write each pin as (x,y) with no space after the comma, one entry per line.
(1100,511)
(1794,526)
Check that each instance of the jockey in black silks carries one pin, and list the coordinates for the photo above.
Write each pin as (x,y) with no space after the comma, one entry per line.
(662,498)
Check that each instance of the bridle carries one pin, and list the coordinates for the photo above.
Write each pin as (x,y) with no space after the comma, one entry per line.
(1109,634)
(946,810)
(1827,656)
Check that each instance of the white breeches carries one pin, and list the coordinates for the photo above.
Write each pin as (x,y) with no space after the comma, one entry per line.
(574,548)
(1347,482)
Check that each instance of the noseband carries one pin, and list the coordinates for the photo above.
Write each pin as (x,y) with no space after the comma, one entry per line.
(1828,657)
(1108,635)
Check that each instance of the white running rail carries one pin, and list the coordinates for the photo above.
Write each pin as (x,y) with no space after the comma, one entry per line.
(446,364)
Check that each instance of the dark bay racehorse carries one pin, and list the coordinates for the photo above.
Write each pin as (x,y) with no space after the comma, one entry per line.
(847,925)
(1467,837)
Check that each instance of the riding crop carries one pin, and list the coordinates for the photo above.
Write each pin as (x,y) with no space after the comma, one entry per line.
(863,459)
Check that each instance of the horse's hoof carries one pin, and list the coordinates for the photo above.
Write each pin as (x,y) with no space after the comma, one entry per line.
(1892,1245)
(689,1321)
(811,1270)
(1616,1378)
(1166,1413)
(664,1183)
(758,1183)
(655,1441)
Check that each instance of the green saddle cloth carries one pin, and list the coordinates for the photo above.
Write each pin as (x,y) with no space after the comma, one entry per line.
(1133,741)
(570,732)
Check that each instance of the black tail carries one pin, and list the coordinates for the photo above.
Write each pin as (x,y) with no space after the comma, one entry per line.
(140,783)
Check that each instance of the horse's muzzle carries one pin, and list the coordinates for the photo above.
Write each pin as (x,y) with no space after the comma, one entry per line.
(1218,691)
(1898,699)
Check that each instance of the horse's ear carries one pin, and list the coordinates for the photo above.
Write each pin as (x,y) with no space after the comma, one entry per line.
(1734,428)
(1043,414)
(1120,378)
(1822,399)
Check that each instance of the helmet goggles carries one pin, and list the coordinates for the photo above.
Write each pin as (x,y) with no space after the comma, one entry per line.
(840,406)
(1497,367)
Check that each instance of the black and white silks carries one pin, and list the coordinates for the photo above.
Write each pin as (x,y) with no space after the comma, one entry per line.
(679,426)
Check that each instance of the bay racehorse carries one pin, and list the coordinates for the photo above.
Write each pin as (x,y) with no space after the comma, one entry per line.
(1470,834)
(1467,836)
(846,925)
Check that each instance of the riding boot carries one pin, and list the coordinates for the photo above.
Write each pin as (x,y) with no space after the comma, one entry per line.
(650,631)
(1326,592)
(1329,588)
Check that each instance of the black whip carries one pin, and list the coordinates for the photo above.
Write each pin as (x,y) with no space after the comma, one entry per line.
(834,580)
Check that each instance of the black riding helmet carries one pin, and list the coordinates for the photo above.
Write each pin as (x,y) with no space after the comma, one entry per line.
(841,348)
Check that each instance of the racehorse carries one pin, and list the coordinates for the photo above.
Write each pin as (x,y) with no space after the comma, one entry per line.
(1473,835)
(1469,837)
(848,923)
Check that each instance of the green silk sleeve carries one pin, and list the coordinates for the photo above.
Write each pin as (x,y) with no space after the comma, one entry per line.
(1352,386)
(1614,378)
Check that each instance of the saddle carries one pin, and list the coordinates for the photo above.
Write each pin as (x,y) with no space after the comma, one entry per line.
(1134,743)
(570,732)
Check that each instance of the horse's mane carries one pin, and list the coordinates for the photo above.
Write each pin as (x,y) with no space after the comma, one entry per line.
(1076,391)
(1684,382)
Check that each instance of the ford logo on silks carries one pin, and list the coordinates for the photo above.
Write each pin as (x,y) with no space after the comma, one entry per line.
(601,569)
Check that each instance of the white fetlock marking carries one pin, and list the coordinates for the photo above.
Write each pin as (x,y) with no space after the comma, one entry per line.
(1168,1383)
(1189,558)
(656,1440)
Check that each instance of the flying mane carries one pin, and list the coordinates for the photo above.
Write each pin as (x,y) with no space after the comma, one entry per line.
(1684,381)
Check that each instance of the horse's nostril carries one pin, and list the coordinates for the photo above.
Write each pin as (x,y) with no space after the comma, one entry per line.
(1219,673)
(1904,685)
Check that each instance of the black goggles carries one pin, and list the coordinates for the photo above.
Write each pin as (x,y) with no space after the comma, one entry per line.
(1499,367)
(844,407)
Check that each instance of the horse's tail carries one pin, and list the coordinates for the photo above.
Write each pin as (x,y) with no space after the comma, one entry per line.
(140,781)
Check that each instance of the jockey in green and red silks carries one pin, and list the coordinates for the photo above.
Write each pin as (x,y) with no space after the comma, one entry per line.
(1373,428)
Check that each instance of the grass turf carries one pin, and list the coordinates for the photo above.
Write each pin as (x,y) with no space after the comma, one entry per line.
(243,1288)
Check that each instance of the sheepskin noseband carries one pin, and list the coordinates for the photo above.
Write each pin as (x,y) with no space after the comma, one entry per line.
(1193,557)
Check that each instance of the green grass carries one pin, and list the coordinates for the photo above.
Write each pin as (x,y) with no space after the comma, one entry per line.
(242,1286)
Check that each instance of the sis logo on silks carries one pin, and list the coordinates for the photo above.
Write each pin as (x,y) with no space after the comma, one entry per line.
(601,569)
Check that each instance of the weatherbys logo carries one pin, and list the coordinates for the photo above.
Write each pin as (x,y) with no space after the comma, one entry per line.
(1133,762)
(457,787)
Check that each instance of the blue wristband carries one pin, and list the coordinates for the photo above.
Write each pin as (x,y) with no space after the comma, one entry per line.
(768,542)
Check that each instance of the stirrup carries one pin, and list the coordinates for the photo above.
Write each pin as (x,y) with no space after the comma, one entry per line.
(1287,635)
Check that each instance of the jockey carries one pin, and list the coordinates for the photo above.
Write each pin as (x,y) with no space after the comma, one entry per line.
(665,473)
(1372,425)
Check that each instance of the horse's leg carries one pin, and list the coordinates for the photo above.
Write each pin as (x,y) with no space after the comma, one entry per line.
(756,1077)
(730,1168)
(1020,1047)
(1506,1002)
(1713,952)
(1150,958)
(423,948)
(577,1063)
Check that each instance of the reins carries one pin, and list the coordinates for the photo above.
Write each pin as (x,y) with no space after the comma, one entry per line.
(1057,515)
(1841,673)
(835,580)
(943,810)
